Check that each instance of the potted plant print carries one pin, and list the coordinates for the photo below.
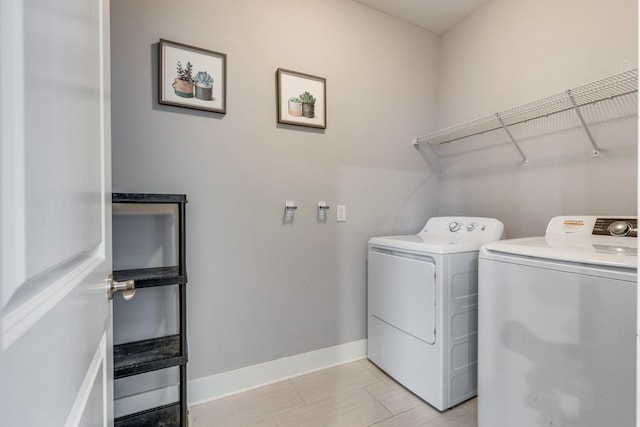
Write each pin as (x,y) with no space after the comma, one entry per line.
(204,86)
(183,84)
(308,105)
(295,106)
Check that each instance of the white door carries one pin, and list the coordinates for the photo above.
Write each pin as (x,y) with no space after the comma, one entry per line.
(402,290)
(55,214)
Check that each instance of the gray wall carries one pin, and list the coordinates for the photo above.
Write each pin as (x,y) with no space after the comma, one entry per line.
(260,289)
(511,52)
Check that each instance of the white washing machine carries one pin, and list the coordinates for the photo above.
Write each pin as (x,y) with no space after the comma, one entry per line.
(557,326)
(422,306)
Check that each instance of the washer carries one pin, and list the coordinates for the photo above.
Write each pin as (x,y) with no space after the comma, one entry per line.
(422,306)
(557,326)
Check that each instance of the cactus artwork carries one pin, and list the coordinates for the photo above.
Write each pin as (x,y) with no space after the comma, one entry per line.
(295,107)
(185,73)
(192,77)
(301,99)
(307,98)
(204,86)
(183,83)
(308,105)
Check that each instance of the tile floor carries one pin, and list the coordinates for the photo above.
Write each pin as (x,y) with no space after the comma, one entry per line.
(355,394)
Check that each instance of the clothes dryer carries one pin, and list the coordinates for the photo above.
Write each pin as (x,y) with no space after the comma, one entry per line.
(557,326)
(422,306)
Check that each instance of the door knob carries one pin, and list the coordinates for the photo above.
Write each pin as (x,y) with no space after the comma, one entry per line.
(128,287)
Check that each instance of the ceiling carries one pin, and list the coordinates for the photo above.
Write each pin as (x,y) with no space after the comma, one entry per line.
(434,15)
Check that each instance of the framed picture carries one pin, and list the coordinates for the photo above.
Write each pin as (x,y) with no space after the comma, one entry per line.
(302,99)
(192,77)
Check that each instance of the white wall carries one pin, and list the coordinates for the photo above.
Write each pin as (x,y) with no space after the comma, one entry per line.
(510,52)
(260,289)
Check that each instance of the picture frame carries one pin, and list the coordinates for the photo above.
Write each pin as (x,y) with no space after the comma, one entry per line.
(192,77)
(302,99)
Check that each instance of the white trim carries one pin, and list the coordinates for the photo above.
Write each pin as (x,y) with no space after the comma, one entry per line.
(105,122)
(104,250)
(103,195)
(95,368)
(107,399)
(17,320)
(12,146)
(216,386)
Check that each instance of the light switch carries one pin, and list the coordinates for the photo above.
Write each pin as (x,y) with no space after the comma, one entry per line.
(341,213)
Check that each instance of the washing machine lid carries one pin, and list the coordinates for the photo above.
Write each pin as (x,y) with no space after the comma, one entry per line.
(446,235)
(584,240)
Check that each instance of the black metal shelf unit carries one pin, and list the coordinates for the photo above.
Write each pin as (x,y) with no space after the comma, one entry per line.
(159,353)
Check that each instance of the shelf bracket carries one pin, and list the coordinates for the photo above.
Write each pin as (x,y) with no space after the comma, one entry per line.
(525,162)
(596,150)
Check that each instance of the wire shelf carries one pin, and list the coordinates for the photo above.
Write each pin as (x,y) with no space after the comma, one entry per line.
(606,89)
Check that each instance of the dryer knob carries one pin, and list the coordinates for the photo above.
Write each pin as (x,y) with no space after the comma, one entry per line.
(471,227)
(620,228)
(454,226)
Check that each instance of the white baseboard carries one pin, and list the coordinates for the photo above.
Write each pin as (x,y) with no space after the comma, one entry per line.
(216,386)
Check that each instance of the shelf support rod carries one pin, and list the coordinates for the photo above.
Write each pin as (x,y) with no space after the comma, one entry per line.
(416,143)
(596,150)
(525,162)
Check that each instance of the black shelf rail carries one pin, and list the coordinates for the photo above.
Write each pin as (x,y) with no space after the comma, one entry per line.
(158,353)
(147,355)
(149,277)
(148,198)
(165,416)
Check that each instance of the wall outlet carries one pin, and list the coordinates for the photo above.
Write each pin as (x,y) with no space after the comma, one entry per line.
(341,213)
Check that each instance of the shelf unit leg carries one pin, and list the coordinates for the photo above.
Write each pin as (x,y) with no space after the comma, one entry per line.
(184,421)
(184,415)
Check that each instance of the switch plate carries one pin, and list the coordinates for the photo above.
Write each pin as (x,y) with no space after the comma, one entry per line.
(341,213)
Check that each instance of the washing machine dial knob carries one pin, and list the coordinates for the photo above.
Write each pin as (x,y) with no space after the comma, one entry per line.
(471,227)
(620,228)
(454,226)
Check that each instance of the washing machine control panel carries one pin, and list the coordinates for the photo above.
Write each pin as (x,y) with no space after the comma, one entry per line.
(616,226)
(619,227)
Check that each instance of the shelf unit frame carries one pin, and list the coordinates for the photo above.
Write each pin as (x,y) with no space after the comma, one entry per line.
(609,88)
(138,357)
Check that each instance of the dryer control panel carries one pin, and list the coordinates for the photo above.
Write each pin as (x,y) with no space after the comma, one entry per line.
(471,228)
